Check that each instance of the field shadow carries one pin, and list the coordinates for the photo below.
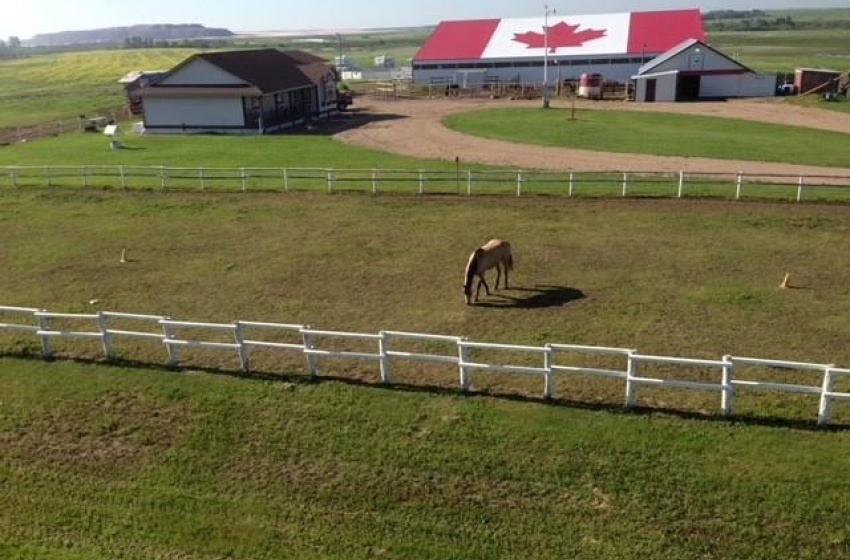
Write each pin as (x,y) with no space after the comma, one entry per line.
(538,297)
(302,379)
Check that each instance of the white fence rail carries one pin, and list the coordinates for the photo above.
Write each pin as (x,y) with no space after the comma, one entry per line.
(428,181)
(718,376)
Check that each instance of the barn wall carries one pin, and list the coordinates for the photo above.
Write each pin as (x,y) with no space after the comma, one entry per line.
(201,72)
(193,112)
(453,72)
(737,85)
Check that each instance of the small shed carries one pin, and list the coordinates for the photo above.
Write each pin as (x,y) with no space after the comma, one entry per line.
(693,70)
(815,80)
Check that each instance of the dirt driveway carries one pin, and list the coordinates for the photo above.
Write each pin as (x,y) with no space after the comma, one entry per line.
(413,127)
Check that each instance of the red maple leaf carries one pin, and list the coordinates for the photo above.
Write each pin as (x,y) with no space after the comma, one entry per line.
(560,35)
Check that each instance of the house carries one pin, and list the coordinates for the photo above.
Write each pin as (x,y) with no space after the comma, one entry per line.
(133,83)
(240,92)
(552,47)
(693,70)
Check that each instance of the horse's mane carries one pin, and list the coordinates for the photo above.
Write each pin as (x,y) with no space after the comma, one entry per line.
(471,268)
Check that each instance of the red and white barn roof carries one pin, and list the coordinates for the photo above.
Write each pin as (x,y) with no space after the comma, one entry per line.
(600,34)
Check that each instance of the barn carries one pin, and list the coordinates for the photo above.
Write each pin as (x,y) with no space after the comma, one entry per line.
(693,70)
(240,92)
(559,47)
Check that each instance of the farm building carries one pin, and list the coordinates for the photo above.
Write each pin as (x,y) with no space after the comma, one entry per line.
(693,70)
(133,84)
(809,80)
(240,92)
(561,47)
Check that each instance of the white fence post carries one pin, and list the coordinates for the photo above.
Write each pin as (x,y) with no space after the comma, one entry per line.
(285,180)
(13,177)
(162,177)
(519,183)
(548,385)
(625,184)
(800,189)
(469,182)
(631,385)
(464,375)
(105,337)
(385,359)
(238,334)
(374,182)
(170,348)
(244,177)
(421,183)
(825,398)
(308,345)
(570,193)
(681,183)
(46,350)
(739,181)
(727,395)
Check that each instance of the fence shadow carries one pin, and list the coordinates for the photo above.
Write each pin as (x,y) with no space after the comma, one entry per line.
(537,297)
(432,389)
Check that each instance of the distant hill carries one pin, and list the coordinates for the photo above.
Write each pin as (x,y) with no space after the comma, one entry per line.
(113,35)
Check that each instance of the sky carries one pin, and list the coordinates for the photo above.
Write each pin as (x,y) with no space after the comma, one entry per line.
(25,18)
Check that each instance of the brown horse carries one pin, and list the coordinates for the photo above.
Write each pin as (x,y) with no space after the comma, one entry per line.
(495,253)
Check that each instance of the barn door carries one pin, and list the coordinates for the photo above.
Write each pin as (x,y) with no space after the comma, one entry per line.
(649,96)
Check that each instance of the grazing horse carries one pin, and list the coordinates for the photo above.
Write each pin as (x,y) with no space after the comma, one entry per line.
(495,253)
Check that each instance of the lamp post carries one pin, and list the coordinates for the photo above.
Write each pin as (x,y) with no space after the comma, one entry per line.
(546,12)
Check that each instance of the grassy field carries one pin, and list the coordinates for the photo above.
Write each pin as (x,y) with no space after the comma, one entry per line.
(659,134)
(101,462)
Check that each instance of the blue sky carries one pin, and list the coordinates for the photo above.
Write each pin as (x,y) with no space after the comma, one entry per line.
(25,18)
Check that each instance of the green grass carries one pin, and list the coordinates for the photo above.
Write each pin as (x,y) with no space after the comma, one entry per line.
(107,462)
(787,50)
(658,134)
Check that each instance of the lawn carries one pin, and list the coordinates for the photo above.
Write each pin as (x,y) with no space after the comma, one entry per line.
(657,134)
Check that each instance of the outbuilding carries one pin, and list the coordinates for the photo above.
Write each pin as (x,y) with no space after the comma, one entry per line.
(552,48)
(693,70)
(240,92)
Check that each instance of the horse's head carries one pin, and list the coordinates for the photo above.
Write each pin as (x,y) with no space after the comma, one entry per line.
(467,293)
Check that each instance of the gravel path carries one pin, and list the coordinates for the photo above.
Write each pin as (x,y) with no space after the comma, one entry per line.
(413,127)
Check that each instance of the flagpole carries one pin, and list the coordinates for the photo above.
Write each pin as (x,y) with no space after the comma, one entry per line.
(546,12)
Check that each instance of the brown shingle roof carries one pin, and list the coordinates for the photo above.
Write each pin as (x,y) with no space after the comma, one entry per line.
(270,70)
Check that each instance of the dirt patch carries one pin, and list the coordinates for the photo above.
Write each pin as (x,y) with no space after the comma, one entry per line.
(413,127)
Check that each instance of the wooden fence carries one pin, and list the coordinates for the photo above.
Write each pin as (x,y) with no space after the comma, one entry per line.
(723,376)
(427,181)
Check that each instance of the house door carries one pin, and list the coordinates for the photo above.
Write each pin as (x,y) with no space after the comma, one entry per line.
(649,95)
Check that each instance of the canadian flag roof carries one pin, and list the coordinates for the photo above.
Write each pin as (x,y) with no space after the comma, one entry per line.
(600,34)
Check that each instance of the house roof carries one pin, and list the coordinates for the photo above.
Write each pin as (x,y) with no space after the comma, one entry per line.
(679,49)
(267,70)
(567,35)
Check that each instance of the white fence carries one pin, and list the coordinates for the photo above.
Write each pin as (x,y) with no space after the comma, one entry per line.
(722,376)
(428,181)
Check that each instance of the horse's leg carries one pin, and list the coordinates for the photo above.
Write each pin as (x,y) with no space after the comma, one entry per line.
(498,274)
(505,285)
(481,282)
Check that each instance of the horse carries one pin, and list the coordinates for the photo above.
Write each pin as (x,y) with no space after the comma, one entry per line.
(495,253)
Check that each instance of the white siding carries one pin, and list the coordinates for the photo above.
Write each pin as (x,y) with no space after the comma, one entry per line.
(201,72)
(697,58)
(739,85)
(193,112)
